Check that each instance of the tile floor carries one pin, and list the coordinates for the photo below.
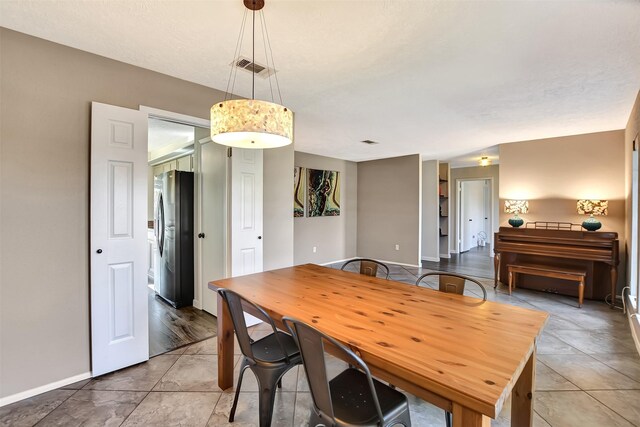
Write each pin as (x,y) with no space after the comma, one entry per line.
(588,374)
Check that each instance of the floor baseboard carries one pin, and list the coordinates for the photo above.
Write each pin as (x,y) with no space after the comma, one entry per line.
(43,389)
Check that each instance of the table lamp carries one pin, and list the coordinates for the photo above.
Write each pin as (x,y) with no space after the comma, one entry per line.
(516,207)
(592,207)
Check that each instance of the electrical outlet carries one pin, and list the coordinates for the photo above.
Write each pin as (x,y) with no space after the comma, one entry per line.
(397,247)
(314,249)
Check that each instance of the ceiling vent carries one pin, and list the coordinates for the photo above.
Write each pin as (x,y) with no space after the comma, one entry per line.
(369,142)
(249,66)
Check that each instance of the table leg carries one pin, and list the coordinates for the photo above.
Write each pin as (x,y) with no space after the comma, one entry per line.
(465,417)
(522,395)
(496,267)
(581,292)
(510,280)
(225,346)
(614,285)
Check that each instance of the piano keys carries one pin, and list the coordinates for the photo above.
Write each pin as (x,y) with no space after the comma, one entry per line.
(595,252)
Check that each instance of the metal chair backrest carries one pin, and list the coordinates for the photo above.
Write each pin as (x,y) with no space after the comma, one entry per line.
(453,283)
(368,267)
(235,302)
(312,344)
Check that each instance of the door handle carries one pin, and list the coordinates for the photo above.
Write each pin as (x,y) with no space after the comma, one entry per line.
(259,237)
(470,219)
(99,251)
(200,235)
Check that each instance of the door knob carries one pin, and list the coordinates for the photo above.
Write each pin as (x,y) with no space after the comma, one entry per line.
(99,251)
(259,237)
(200,235)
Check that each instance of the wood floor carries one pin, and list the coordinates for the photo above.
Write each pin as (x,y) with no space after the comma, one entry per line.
(171,328)
(475,262)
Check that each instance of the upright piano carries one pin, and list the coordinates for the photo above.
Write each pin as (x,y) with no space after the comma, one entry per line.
(595,252)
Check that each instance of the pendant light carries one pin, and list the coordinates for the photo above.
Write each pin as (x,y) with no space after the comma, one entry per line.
(252,123)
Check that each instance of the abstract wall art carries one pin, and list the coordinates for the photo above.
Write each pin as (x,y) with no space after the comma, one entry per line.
(323,193)
(298,191)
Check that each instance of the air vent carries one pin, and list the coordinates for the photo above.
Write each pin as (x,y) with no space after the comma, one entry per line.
(369,142)
(247,65)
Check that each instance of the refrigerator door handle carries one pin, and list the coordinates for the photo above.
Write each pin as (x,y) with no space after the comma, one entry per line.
(160,233)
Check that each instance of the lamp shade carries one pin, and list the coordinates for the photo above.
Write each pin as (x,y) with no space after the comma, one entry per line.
(251,123)
(593,207)
(516,206)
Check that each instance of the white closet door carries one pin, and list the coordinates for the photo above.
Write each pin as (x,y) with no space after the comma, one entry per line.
(213,230)
(246,211)
(119,315)
(246,215)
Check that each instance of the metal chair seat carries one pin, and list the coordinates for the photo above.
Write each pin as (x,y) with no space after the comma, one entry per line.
(269,358)
(268,349)
(352,402)
(353,397)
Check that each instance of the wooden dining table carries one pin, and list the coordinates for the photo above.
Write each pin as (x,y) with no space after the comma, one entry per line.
(457,352)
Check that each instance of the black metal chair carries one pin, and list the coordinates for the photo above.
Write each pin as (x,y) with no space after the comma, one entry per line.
(353,397)
(368,267)
(453,283)
(269,358)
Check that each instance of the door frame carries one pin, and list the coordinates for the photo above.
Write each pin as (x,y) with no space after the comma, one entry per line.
(156,113)
(458,218)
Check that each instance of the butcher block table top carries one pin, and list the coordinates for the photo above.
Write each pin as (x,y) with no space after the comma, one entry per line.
(457,352)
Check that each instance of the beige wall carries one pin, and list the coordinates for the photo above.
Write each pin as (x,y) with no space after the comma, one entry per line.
(554,173)
(333,237)
(46,91)
(389,209)
(471,173)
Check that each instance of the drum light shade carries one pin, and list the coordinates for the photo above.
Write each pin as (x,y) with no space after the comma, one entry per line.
(251,123)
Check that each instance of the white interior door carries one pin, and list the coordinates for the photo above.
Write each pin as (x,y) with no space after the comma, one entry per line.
(246,211)
(246,214)
(119,315)
(472,212)
(213,192)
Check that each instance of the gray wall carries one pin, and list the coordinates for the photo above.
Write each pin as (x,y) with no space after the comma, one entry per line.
(389,209)
(479,172)
(430,211)
(278,207)
(333,237)
(46,92)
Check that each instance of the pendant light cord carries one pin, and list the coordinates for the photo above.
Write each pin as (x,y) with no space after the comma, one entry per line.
(253,58)
(268,53)
(233,72)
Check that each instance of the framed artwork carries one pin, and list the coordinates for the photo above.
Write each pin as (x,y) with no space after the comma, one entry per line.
(323,193)
(298,191)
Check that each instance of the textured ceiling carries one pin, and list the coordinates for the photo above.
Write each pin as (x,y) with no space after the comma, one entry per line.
(163,133)
(439,78)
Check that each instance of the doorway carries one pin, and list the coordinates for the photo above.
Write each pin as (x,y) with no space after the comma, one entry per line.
(176,318)
(474,217)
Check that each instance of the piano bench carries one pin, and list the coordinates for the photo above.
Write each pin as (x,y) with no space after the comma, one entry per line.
(548,271)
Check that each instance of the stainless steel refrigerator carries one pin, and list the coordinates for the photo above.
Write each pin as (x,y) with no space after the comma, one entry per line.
(173,214)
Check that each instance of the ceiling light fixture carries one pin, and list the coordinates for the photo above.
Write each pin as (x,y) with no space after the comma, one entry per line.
(484,161)
(252,123)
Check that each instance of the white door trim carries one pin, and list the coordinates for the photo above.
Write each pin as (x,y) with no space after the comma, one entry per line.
(157,113)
